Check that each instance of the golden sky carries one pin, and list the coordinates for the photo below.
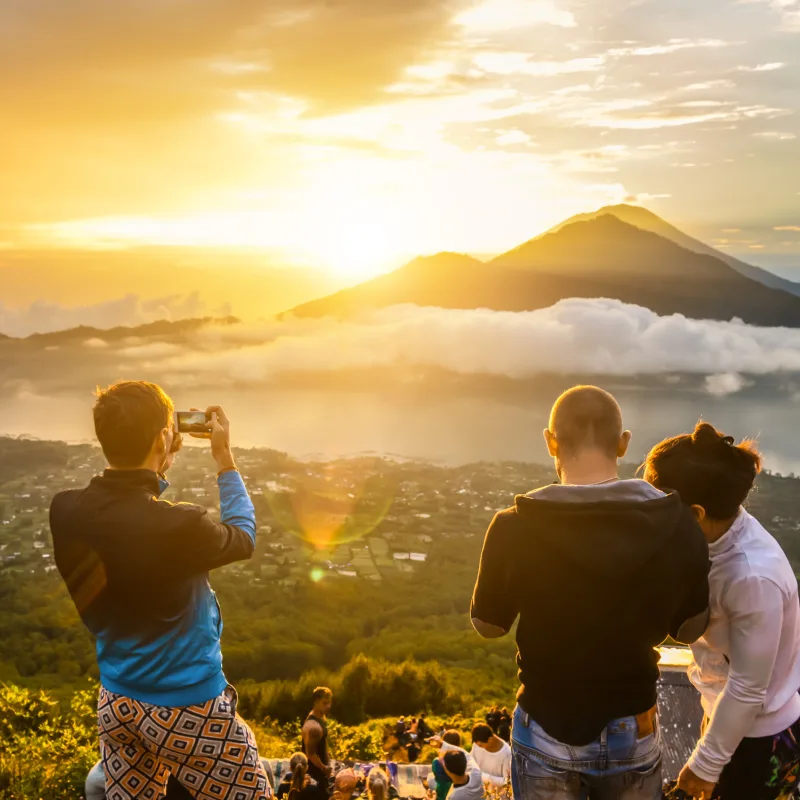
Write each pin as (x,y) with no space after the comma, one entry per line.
(354,134)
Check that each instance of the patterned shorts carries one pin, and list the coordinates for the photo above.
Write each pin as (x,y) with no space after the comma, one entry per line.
(209,749)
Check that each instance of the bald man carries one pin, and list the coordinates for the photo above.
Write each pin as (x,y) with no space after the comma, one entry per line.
(599,571)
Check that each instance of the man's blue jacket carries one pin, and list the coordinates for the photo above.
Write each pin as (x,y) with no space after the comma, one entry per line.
(137,570)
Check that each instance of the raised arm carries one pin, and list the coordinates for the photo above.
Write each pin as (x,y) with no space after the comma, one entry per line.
(213,544)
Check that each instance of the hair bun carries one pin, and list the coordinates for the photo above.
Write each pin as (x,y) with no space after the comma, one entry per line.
(706,435)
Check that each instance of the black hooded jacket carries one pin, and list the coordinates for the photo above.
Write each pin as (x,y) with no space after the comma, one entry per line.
(599,576)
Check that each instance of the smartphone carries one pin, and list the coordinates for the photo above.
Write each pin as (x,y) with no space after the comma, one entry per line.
(191,422)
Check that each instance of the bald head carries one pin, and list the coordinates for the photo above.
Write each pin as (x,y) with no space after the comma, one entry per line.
(345,783)
(586,418)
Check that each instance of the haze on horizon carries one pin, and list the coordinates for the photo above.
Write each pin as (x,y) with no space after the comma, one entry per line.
(349,137)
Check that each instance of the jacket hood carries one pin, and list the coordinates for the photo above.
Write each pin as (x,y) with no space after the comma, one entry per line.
(613,527)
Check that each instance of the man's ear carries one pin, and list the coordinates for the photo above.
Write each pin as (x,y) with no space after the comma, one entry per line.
(699,513)
(551,442)
(624,442)
(161,441)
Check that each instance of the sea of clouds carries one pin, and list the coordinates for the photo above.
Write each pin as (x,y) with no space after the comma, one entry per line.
(575,336)
(129,311)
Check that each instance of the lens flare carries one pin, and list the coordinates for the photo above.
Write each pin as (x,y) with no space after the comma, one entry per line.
(335,503)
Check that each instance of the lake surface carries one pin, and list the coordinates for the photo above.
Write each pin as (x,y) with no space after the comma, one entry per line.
(452,429)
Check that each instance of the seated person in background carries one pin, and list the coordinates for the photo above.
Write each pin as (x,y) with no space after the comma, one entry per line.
(492,755)
(466,777)
(438,779)
(423,729)
(377,784)
(412,751)
(344,785)
(504,728)
(747,664)
(297,784)
(493,718)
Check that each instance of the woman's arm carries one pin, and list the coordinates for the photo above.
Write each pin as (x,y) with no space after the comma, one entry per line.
(755,610)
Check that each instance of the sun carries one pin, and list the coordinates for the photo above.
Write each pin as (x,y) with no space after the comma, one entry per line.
(358,248)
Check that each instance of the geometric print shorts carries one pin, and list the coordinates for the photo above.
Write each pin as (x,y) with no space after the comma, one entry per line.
(209,749)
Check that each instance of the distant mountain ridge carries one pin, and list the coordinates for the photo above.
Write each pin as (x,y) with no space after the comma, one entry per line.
(599,256)
(158,328)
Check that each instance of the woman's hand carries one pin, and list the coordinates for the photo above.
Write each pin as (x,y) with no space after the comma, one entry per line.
(695,786)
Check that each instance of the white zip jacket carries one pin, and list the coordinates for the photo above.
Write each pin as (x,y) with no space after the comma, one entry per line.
(747,664)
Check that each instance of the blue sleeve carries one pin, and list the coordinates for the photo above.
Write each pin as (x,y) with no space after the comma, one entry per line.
(235,506)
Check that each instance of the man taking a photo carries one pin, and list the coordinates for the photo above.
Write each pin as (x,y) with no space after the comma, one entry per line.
(599,570)
(137,569)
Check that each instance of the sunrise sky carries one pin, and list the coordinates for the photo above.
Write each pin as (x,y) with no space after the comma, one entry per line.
(354,134)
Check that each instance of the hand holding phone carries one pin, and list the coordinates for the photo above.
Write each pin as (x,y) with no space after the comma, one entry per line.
(217,427)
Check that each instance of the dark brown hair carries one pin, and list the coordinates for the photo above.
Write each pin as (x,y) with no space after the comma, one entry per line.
(706,468)
(586,416)
(481,733)
(456,762)
(127,418)
(452,737)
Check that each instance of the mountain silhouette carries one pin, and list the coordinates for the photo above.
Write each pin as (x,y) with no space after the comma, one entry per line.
(449,280)
(598,257)
(160,328)
(648,221)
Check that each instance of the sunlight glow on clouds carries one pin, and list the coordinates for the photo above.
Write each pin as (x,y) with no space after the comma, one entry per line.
(360,133)
(673,46)
(498,15)
(501,63)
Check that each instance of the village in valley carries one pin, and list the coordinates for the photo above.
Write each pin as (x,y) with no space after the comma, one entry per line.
(364,518)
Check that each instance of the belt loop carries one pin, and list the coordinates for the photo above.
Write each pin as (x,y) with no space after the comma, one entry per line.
(604,748)
(526,719)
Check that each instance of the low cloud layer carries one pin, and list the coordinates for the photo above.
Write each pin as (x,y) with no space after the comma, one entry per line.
(131,310)
(574,336)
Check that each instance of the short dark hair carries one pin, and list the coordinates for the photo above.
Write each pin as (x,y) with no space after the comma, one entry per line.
(586,416)
(456,762)
(481,733)
(452,737)
(706,469)
(321,693)
(127,418)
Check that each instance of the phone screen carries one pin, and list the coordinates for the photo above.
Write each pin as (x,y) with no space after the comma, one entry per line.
(191,421)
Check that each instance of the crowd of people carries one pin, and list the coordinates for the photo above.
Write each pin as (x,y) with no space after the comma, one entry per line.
(588,563)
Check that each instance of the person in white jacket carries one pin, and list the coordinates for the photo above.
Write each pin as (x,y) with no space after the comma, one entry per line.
(747,664)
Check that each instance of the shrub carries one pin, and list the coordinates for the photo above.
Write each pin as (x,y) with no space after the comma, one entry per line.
(44,753)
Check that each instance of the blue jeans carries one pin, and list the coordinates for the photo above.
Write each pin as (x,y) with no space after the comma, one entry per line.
(617,766)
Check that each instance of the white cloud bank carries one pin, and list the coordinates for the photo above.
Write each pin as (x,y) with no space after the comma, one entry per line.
(131,310)
(574,336)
